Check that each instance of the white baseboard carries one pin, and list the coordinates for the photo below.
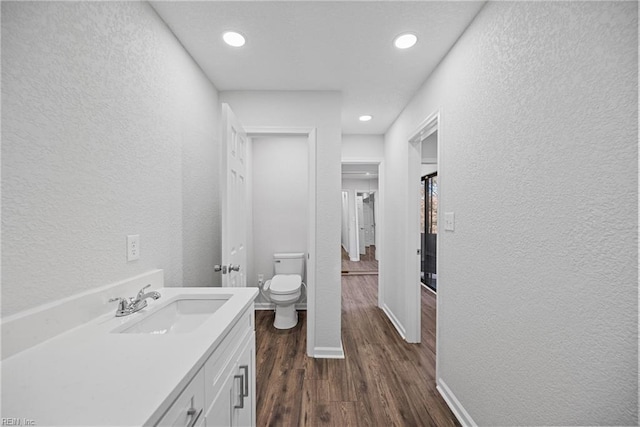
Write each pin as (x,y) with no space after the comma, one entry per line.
(394,320)
(329,352)
(354,259)
(264,306)
(428,288)
(272,306)
(454,404)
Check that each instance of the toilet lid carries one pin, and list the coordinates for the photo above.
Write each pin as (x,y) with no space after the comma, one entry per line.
(285,284)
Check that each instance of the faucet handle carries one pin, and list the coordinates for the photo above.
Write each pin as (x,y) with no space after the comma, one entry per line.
(123,306)
(123,301)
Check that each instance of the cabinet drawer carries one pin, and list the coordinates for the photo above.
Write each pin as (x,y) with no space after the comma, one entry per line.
(188,408)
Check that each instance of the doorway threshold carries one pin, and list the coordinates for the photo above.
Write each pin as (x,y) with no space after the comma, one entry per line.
(428,288)
(358,273)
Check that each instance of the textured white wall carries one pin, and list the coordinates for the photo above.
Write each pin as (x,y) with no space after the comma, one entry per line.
(280,200)
(538,285)
(322,111)
(108,129)
(362,146)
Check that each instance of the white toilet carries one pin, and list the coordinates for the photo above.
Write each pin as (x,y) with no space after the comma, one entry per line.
(284,288)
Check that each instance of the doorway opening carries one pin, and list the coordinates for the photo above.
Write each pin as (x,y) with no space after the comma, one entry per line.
(277,165)
(308,134)
(423,158)
(366,234)
(366,224)
(360,198)
(429,230)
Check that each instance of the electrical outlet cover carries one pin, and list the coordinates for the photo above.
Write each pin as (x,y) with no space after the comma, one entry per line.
(133,247)
(449,221)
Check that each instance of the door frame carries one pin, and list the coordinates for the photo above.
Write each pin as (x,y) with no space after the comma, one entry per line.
(380,220)
(311,134)
(413,302)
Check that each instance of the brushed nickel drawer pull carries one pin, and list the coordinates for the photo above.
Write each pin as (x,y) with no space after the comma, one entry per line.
(245,368)
(190,413)
(241,395)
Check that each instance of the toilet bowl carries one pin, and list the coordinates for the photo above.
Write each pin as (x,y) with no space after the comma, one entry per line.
(284,289)
(284,292)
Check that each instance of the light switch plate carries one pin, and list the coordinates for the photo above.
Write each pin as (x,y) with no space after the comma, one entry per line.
(133,247)
(449,221)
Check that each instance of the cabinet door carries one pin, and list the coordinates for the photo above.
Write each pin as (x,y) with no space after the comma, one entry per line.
(245,415)
(235,404)
(220,412)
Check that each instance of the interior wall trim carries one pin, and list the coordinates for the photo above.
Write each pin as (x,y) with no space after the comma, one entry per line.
(329,352)
(394,320)
(454,404)
(272,306)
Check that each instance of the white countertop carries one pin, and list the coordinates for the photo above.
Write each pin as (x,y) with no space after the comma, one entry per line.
(91,376)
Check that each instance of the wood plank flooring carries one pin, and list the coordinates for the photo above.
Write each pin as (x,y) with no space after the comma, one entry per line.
(383,381)
(367,264)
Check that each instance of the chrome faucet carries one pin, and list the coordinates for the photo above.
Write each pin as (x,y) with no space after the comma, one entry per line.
(130,305)
(141,299)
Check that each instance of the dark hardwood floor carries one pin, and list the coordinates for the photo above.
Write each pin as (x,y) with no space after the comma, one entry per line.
(383,381)
(367,264)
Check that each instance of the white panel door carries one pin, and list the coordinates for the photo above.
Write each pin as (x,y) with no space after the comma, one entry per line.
(234,202)
(368,222)
(361,226)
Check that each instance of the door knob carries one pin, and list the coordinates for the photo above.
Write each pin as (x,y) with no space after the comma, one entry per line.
(222,268)
(233,268)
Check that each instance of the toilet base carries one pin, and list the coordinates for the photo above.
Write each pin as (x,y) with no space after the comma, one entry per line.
(286,316)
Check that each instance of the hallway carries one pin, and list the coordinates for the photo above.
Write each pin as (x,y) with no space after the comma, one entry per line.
(383,380)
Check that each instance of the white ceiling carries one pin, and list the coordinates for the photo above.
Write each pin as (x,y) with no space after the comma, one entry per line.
(322,45)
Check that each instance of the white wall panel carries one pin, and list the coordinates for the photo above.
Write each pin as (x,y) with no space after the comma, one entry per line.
(538,284)
(108,129)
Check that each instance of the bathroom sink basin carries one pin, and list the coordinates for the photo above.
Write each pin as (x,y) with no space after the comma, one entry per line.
(180,316)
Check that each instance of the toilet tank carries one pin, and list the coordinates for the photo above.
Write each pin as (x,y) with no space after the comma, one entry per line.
(289,263)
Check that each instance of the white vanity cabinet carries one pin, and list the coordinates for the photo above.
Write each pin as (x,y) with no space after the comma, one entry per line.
(201,366)
(222,393)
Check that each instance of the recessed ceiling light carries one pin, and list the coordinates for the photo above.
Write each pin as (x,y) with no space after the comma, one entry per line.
(405,41)
(233,39)
(365,118)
